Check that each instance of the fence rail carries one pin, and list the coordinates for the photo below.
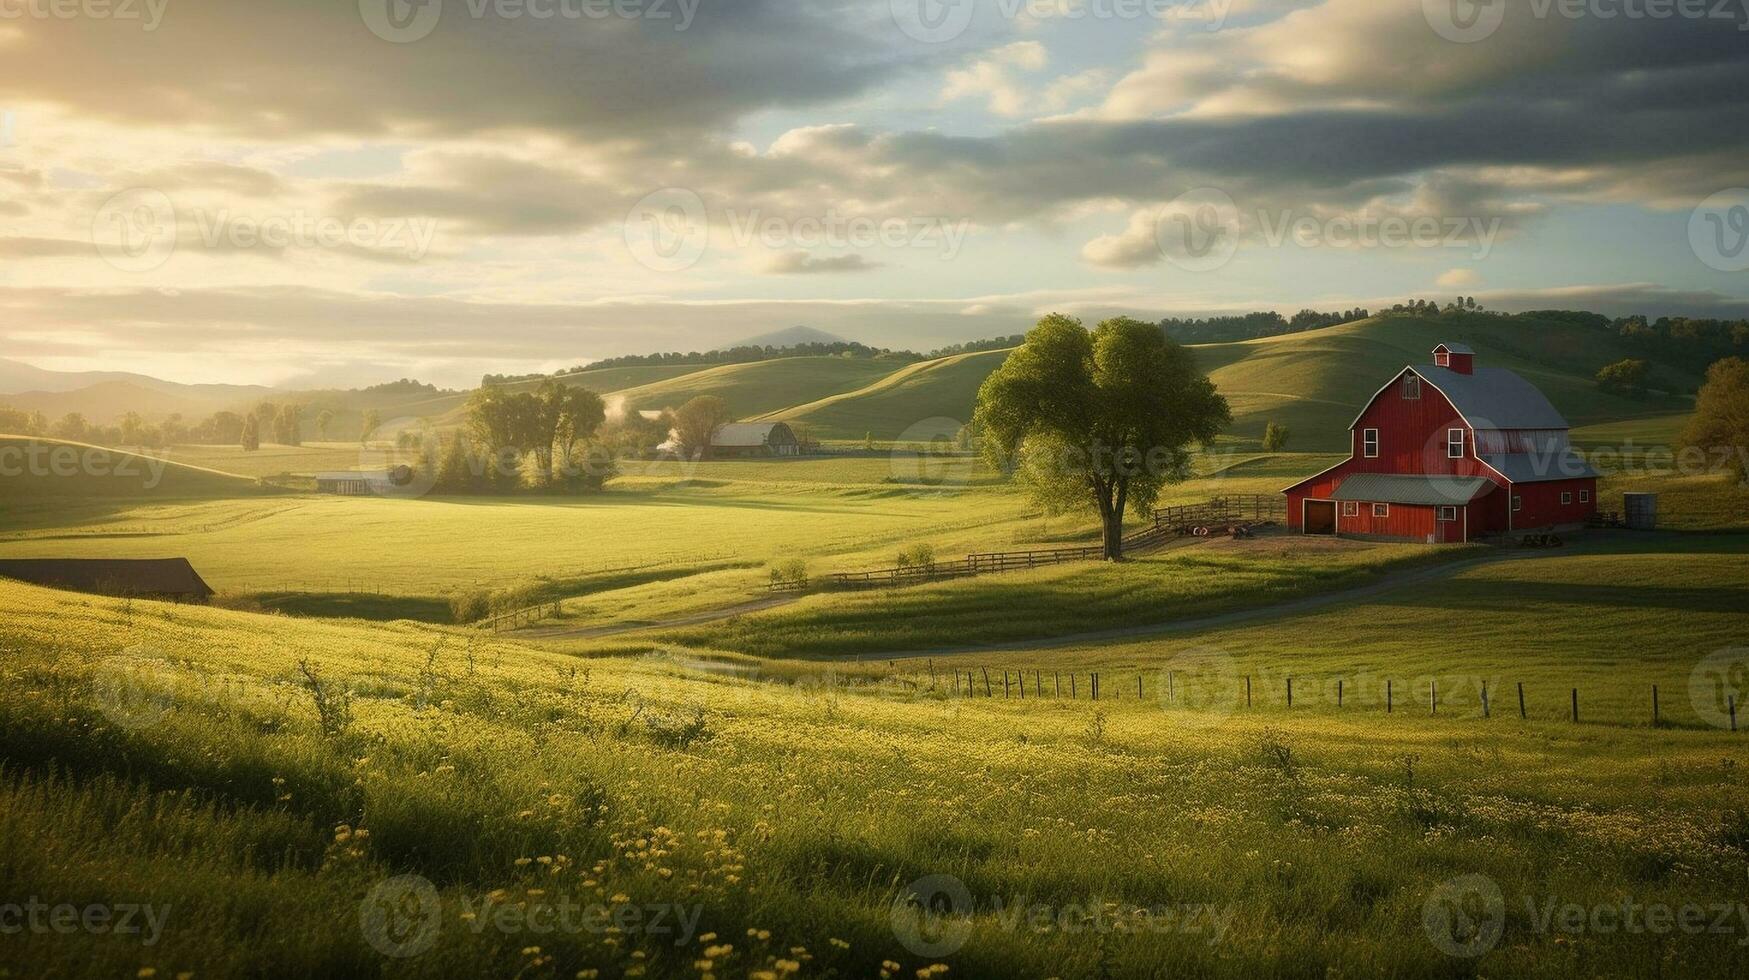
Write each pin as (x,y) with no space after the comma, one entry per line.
(515,618)
(1233,509)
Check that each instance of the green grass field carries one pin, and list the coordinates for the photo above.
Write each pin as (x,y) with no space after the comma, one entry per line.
(658,782)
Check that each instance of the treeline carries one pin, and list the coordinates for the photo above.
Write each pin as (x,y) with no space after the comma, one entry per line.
(267,422)
(1252,326)
(976,346)
(548,439)
(1691,343)
(731,355)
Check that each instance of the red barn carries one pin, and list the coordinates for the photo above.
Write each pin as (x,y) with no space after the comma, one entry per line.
(1450,452)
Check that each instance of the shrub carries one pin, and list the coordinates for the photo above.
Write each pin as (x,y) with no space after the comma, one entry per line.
(919,556)
(470,606)
(789,571)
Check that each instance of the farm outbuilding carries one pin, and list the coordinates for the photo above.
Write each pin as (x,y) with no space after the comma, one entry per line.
(1449,452)
(147,578)
(742,439)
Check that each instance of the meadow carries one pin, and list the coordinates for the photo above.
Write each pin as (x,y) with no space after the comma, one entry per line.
(675,773)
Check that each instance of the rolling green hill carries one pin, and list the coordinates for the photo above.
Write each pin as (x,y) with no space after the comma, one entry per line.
(763,386)
(919,401)
(34,469)
(1316,382)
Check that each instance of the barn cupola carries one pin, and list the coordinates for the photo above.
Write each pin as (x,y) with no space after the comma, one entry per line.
(1457,357)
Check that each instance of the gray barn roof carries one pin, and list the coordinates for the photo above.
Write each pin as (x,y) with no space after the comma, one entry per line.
(738,435)
(1390,488)
(110,576)
(1495,398)
(1540,467)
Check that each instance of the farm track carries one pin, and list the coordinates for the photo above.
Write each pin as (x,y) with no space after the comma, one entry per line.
(693,619)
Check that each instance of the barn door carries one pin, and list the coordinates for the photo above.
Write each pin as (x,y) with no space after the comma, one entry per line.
(1320,517)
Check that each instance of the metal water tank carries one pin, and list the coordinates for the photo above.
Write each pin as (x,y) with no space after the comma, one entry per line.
(1640,510)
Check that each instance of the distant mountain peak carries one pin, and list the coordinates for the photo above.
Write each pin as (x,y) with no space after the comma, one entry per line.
(790,337)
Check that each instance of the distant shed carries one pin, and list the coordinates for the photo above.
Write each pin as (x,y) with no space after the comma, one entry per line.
(755,439)
(146,578)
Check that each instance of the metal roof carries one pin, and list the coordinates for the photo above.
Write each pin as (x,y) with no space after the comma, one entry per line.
(1390,488)
(1540,467)
(110,576)
(1494,398)
(746,434)
(1455,349)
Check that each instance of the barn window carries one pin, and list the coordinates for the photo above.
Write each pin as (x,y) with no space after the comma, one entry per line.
(1381,510)
(1441,359)
(1517,502)
(1369,443)
(1566,497)
(1350,508)
(1448,513)
(1584,496)
(1454,443)
(1411,388)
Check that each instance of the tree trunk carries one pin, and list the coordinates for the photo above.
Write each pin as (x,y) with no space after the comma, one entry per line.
(1113,537)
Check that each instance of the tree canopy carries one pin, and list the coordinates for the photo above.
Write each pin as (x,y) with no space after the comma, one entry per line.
(1721,414)
(1107,417)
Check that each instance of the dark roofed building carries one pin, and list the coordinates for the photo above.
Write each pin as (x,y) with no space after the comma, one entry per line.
(146,578)
(755,439)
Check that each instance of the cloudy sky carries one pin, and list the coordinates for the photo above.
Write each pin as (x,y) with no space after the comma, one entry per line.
(268,190)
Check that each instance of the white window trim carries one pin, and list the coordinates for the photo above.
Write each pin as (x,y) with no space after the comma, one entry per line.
(1584,496)
(1369,436)
(1454,439)
(1448,509)
(1517,503)
(1442,359)
(1351,508)
(1411,388)
(1381,510)
(1566,497)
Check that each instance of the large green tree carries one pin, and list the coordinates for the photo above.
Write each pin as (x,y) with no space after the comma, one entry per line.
(1720,424)
(1106,418)
(697,422)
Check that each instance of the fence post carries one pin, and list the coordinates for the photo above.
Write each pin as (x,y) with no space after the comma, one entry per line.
(1575,706)
(1038,686)
(1138,686)
(1020,675)
(1521,714)
(1290,692)
(1247,690)
(1072,694)
(1338,692)
(1731,702)
(1095,683)
(1171,687)
(1005,683)
(932,684)
(1484,699)
(1057,679)
(1387,695)
(1433,692)
(987,692)
(1654,706)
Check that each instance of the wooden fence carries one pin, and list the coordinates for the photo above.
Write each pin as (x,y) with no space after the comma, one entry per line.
(517,618)
(1169,522)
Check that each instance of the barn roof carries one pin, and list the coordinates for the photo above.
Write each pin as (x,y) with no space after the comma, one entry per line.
(1494,398)
(1540,467)
(746,434)
(1454,349)
(110,576)
(1390,488)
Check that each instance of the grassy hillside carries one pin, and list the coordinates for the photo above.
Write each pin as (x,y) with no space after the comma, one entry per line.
(922,401)
(50,471)
(1316,382)
(786,822)
(763,386)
